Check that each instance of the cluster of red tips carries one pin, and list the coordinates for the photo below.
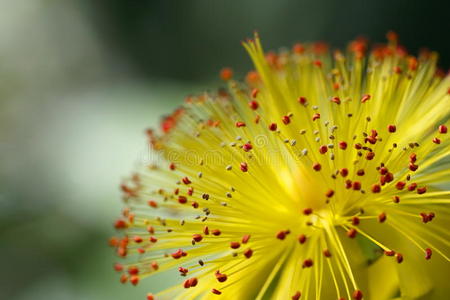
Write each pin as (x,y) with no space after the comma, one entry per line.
(316,116)
(392,128)
(248,253)
(191,282)
(428,253)
(303,101)
(240,124)
(282,234)
(307,263)
(273,127)
(296,296)
(382,217)
(221,277)
(216,292)
(427,217)
(247,147)
(178,254)
(244,167)
(317,167)
(323,149)
(343,145)
(351,233)
(357,295)
(183,271)
(253,105)
(286,120)
(226,74)
(235,245)
(372,138)
(365,98)
(302,238)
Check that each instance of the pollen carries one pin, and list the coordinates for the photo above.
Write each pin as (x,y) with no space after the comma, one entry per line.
(298,183)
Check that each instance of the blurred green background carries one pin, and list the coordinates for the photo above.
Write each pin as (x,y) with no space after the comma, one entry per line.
(81,80)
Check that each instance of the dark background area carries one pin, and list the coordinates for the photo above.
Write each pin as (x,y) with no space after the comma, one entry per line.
(81,80)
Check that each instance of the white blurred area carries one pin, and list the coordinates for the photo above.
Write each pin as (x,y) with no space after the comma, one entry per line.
(72,120)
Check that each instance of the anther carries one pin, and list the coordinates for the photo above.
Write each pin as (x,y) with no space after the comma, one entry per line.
(286,120)
(343,145)
(436,140)
(296,296)
(365,98)
(357,295)
(370,155)
(356,185)
(389,252)
(442,129)
(392,128)
(182,199)
(323,149)
(428,253)
(317,167)
(216,232)
(245,239)
(244,167)
(412,186)
(273,127)
(421,190)
(248,253)
(351,233)
(327,253)
(216,292)
(226,74)
(399,257)
(376,188)
(343,172)
(240,124)
(316,116)
(307,211)
(355,221)
(302,101)
(329,193)
(307,263)
(221,277)
(302,238)
(253,105)
(197,237)
(382,217)
(247,147)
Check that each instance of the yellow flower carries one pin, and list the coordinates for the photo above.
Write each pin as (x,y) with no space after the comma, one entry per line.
(324,176)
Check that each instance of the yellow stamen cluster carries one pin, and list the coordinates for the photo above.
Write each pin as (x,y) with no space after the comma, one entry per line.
(278,187)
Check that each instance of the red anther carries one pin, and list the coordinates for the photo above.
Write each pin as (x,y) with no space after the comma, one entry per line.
(413,158)
(118,267)
(421,190)
(150,229)
(392,128)
(134,279)
(235,245)
(252,78)
(273,127)
(298,48)
(413,167)
(197,237)
(113,242)
(281,235)
(358,146)
(176,191)
(183,271)
(226,74)
(317,167)
(397,70)
(244,167)
(245,239)
(137,239)
(307,263)
(193,281)
(247,147)
(296,296)
(336,100)
(152,239)
(343,145)
(376,188)
(343,172)
(348,184)
(370,155)
(307,211)
(248,253)
(412,63)
(382,217)
(425,217)
(216,292)
(357,295)
(152,203)
(336,86)
(216,232)
(442,129)
(316,116)
(150,297)
(329,193)
(122,251)
(187,284)
(351,233)
(221,277)
(206,230)
(186,180)
(370,139)
(240,124)
(428,253)
(286,120)
(356,185)
(436,140)
(154,265)
(396,199)
(302,100)
(388,177)
(190,191)
(412,186)
(120,224)
(253,105)
(182,199)
(360,172)
(177,254)
(399,257)
(140,250)
(123,278)
(323,149)
(254,93)
(327,253)
(317,63)
(365,98)
(355,221)
(172,166)
(205,196)
(389,252)
(302,238)
(383,170)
